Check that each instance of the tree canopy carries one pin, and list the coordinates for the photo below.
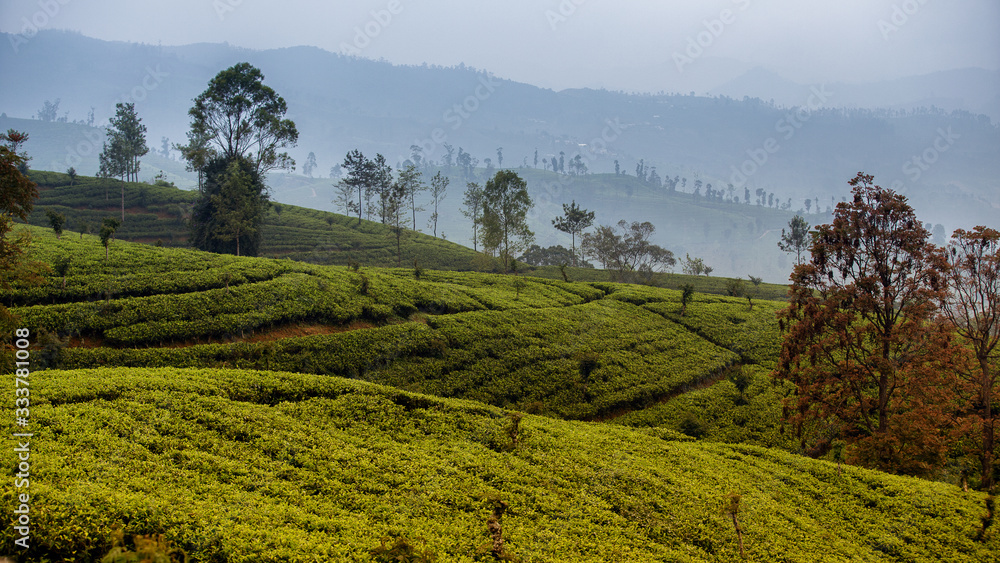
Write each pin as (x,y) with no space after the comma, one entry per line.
(796,239)
(242,117)
(629,254)
(868,365)
(573,222)
(505,207)
(972,305)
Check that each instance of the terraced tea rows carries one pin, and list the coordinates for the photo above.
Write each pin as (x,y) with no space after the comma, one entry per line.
(248,466)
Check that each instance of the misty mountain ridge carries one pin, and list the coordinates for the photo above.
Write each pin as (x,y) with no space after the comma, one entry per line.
(974,90)
(944,161)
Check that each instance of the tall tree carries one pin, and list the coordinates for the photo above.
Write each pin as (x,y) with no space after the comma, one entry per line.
(500,157)
(573,222)
(396,213)
(505,207)
(796,239)
(310,164)
(125,146)
(359,177)
(859,346)
(472,207)
(241,117)
(17,199)
(410,180)
(381,185)
(128,136)
(972,304)
(439,189)
(113,164)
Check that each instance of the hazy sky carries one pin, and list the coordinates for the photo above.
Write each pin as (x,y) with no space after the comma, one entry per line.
(630,44)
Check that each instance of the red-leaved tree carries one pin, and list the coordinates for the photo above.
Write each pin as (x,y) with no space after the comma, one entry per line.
(972,305)
(868,363)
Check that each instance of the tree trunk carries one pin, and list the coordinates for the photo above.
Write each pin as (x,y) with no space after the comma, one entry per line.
(123,201)
(986,396)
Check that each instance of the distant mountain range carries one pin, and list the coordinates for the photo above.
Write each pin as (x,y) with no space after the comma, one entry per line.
(758,132)
(973,90)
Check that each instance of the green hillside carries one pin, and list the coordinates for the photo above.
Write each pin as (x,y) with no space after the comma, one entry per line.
(159,214)
(250,466)
(254,409)
(533,344)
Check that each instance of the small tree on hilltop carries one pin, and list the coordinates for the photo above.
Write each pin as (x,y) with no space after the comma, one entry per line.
(439,189)
(693,266)
(573,222)
(472,208)
(753,291)
(796,239)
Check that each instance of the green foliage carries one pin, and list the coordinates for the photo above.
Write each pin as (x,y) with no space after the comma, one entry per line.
(229,216)
(505,206)
(240,117)
(148,549)
(232,465)
(401,551)
(687,295)
(56,220)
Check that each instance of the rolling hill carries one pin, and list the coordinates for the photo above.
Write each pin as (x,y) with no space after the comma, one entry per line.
(734,238)
(253,409)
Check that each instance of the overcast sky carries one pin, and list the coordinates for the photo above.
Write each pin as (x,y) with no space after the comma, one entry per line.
(618,44)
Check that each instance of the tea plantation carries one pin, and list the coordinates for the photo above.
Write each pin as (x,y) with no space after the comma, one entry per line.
(426,416)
